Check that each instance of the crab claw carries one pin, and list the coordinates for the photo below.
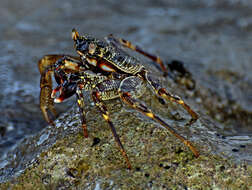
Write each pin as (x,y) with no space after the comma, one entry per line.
(46,101)
(54,92)
(47,105)
(66,90)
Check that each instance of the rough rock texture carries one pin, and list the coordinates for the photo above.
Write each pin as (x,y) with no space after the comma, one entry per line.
(159,160)
(212,38)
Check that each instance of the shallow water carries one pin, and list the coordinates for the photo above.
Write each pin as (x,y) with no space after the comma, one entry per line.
(213,38)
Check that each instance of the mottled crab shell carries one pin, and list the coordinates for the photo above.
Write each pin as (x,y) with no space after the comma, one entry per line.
(114,59)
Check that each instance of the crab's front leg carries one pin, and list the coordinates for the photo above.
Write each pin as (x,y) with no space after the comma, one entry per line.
(47,66)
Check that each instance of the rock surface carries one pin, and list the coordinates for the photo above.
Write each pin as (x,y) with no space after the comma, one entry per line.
(159,160)
(212,38)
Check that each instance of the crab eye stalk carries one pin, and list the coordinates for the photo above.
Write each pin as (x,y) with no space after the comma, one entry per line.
(80,43)
(75,34)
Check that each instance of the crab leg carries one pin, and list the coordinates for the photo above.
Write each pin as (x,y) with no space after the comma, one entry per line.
(46,102)
(136,48)
(173,66)
(69,87)
(81,104)
(134,103)
(162,92)
(105,115)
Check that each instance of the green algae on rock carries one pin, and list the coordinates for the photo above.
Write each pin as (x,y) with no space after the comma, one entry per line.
(159,160)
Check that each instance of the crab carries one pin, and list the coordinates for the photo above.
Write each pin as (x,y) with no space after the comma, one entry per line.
(105,70)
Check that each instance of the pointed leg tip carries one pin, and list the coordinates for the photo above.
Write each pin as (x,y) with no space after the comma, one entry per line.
(192,121)
(196,154)
(194,151)
(85,135)
(85,132)
(51,123)
(129,167)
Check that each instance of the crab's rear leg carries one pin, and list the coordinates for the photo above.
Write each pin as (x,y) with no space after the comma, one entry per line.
(105,114)
(46,67)
(177,70)
(127,94)
(138,49)
(162,92)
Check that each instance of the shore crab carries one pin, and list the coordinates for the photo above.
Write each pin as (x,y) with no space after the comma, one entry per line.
(105,70)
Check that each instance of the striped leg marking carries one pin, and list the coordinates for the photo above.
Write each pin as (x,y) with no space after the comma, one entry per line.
(81,104)
(126,97)
(138,49)
(162,92)
(105,115)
